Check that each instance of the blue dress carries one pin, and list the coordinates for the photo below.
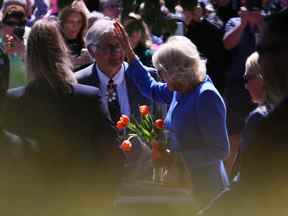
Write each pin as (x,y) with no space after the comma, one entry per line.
(196,122)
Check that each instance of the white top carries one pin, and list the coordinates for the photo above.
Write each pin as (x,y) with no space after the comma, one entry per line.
(119,80)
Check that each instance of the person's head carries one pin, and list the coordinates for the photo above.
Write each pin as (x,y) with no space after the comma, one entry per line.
(273,51)
(192,11)
(14,15)
(111,8)
(104,46)
(73,22)
(179,64)
(253,79)
(137,30)
(47,56)
(10,4)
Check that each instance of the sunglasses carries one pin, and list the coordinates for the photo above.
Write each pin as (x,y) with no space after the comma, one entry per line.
(247,78)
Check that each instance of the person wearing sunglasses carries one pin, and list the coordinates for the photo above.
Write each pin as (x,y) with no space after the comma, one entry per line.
(254,83)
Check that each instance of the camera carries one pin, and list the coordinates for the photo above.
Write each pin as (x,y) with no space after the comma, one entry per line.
(253,5)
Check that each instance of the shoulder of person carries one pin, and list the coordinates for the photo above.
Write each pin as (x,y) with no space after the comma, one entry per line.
(232,23)
(256,116)
(208,92)
(85,90)
(84,73)
(16,92)
(207,85)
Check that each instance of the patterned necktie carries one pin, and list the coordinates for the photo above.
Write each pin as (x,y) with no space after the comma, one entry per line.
(113,102)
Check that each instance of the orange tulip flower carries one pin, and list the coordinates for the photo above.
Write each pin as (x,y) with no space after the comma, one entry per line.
(126,146)
(159,123)
(120,125)
(124,119)
(144,110)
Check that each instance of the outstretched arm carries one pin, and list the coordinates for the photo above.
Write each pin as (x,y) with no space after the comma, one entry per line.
(147,85)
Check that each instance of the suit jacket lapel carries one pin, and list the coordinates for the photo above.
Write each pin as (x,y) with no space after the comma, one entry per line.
(94,76)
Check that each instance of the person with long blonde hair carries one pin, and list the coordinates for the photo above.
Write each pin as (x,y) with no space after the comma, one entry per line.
(68,140)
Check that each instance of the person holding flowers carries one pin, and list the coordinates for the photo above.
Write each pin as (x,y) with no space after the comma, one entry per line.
(196,119)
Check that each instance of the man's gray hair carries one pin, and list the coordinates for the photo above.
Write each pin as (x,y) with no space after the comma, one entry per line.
(95,34)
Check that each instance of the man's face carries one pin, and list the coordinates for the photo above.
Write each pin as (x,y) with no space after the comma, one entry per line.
(113,10)
(72,25)
(109,55)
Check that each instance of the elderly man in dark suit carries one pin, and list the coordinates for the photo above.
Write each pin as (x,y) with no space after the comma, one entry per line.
(118,93)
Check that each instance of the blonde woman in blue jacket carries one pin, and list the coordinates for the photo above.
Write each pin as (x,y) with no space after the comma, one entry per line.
(196,117)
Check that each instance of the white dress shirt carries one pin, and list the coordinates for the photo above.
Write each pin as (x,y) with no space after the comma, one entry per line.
(119,80)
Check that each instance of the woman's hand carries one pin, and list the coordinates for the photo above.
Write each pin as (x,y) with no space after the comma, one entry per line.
(123,38)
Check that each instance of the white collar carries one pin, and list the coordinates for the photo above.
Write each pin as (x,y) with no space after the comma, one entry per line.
(118,77)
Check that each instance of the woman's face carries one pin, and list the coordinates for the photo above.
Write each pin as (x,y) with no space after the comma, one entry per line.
(173,85)
(72,25)
(255,87)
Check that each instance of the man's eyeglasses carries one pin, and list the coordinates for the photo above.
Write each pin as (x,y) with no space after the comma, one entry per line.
(109,49)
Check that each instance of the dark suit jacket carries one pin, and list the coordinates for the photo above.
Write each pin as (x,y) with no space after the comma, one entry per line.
(88,76)
(263,171)
(75,163)
(70,132)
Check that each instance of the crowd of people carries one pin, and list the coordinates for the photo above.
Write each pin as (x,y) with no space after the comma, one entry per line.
(70,69)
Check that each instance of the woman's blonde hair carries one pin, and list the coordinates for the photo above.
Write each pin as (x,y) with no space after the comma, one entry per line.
(179,59)
(48,58)
(252,67)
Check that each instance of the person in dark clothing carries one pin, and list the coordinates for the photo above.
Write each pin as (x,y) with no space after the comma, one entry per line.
(262,188)
(225,9)
(200,32)
(70,145)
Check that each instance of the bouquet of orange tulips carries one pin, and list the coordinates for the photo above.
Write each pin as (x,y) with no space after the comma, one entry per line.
(167,167)
(152,132)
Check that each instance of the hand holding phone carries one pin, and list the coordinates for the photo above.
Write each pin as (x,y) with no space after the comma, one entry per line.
(13,45)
